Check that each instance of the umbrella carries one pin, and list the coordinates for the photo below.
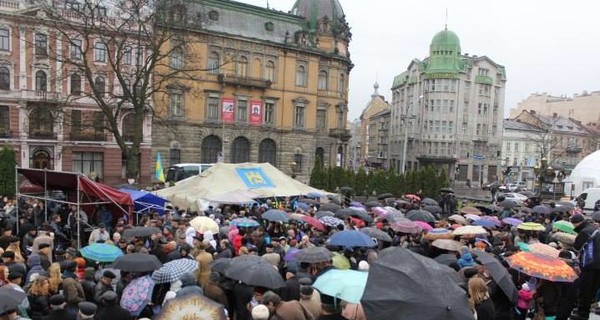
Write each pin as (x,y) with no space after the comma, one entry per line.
(541,266)
(101,252)
(405,226)
(508,203)
(438,233)
(596,216)
(314,222)
(356,204)
(342,213)
(140,232)
(313,255)
(321,214)
(351,238)
(220,265)
(469,230)
(291,254)
(10,299)
(488,208)
(255,273)
(315,194)
(564,226)
(486,223)
(203,224)
(244,223)
(302,206)
(531,226)
(566,204)
(447,244)
(275,215)
(339,261)
(331,221)
(371,204)
(329,207)
(499,273)
(192,306)
(345,189)
(379,211)
(412,197)
(512,221)
(472,217)
(541,209)
(137,262)
(424,225)
(308,201)
(394,215)
(376,234)
(447,190)
(446,259)
(296,216)
(544,249)
(385,195)
(420,215)
(347,285)
(433,209)
(137,295)
(429,202)
(565,238)
(173,270)
(405,285)
(458,218)
(470,210)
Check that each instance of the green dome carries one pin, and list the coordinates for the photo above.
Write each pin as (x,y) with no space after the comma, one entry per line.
(445,40)
(444,53)
(314,10)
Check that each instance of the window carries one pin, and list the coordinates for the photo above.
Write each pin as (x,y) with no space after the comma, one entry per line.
(127,55)
(271,71)
(212,106)
(176,58)
(516,146)
(41,81)
(75,84)
(240,150)
(4,39)
(301,76)
(41,45)
(88,162)
(4,78)
(298,161)
(342,84)
(321,119)
(176,104)
(139,56)
(174,156)
(72,5)
(41,123)
(210,149)
(322,84)
(242,67)
(128,127)
(269,113)
(508,146)
(341,123)
(100,85)
(242,111)
(76,49)
(100,11)
(299,116)
(267,151)
(100,52)
(213,63)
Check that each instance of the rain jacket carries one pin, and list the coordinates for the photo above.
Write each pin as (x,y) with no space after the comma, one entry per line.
(584,231)
(466,260)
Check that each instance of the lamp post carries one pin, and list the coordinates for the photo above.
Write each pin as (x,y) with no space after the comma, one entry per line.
(406,118)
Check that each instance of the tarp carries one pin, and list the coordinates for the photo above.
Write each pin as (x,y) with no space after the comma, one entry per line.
(145,201)
(260,178)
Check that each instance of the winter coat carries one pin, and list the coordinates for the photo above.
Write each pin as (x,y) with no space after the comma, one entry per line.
(72,290)
(525,297)
(213,291)
(39,306)
(35,266)
(113,313)
(292,310)
(485,310)
(100,289)
(584,231)
(204,260)
(61,314)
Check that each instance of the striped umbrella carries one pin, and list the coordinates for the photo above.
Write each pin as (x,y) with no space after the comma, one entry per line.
(101,252)
(531,226)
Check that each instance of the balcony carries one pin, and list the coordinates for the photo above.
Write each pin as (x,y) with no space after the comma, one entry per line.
(574,149)
(237,80)
(342,134)
(42,135)
(40,95)
(87,136)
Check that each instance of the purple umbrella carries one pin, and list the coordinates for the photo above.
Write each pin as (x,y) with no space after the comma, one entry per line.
(512,221)
(356,204)
(137,295)
(291,254)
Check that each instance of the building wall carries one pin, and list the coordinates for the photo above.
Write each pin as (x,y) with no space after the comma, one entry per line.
(376,105)
(582,107)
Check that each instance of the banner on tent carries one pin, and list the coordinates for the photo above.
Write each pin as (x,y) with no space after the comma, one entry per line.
(254,178)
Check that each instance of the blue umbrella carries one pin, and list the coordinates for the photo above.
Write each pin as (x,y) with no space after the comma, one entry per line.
(351,238)
(101,252)
(275,215)
(347,285)
(487,223)
(244,222)
(315,194)
(303,206)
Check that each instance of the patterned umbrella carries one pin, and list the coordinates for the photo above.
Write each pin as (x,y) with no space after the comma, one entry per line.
(101,252)
(313,255)
(314,222)
(564,226)
(331,221)
(405,226)
(565,238)
(544,249)
(137,295)
(512,221)
(469,230)
(531,226)
(542,266)
(472,217)
(275,215)
(245,223)
(192,306)
(438,233)
(458,218)
(203,224)
(173,270)
(470,210)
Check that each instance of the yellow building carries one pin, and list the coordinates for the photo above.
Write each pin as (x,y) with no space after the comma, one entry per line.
(267,86)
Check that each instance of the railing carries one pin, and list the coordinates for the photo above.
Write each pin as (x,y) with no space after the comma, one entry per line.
(245,81)
(6,4)
(342,134)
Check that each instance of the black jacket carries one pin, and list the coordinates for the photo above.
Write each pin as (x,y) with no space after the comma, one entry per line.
(39,306)
(62,314)
(485,310)
(113,313)
(584,232)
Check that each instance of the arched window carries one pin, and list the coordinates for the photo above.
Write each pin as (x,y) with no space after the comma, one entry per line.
(301,76)
(41,124)
(320,154)
(267,151)
(100,85)
(242,66)
(211,149)
(322,80)
(41,83)
(75,84)
(176,58)
(240,150)
(41,159)
(4,78)
(213,63)
(342,84)
(128,127)
(256,68)
(271,71)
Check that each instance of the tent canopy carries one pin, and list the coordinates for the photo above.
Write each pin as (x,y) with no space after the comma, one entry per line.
(146,201)
(260,178)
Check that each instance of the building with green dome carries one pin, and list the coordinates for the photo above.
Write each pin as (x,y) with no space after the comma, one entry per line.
(447,111)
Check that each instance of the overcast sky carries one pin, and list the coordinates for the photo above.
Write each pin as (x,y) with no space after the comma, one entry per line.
(546,45)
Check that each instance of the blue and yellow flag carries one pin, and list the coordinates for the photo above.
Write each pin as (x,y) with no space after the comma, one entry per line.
(159,174)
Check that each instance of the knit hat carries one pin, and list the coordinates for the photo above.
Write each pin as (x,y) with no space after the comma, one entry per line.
(525,287)
(577,218)
(260,312)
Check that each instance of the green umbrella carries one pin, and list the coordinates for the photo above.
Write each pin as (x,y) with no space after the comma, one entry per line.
(564,226)
(340,261)
(347,285)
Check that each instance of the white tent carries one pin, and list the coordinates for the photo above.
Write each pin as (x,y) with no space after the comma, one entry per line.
(585,175)
(260,178)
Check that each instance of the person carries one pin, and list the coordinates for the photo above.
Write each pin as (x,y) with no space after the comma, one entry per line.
(58,309)
(587,245)
(309,298)
(189,285)
(87,310)
(45,251)
(104,285)
(112,310)
(214,291)
(38,296)
(55,278)
(73,291)
(204,260)
(34,268)
(524,302)
(99,234)
(479,299)
(8,257)
(289,310)
(547,298)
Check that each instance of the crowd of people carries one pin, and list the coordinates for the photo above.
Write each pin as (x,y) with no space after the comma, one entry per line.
(41,260)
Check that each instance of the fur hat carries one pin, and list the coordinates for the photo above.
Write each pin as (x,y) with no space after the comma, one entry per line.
(260,312)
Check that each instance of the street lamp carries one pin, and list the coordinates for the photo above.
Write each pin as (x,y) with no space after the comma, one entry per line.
(406,118)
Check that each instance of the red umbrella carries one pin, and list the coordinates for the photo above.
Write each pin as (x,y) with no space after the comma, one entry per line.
(314,222)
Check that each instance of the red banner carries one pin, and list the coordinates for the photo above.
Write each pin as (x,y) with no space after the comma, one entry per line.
(256,112)
(227,112)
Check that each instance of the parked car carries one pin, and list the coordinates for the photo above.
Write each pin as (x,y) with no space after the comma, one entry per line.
(515,196)
(517,186)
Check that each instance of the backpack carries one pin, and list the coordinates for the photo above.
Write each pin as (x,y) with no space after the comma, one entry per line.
(587,252)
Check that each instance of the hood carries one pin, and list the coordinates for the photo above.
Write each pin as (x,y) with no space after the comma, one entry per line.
(34,260)
(188,279)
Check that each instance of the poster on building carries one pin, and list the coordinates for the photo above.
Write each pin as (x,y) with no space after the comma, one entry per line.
(256,112)
(227,112)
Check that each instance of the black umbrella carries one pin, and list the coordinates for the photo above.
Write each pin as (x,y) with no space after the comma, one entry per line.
(410,286)
(313,255)
(139,232)
(499,273)
(447,190)
(433,209)
(371,204)
(345,189)
(137,262)
(321,214)
(429,202)
(488,208)
(342,213)
(508,204)
(446,259)
(376,234)
(309,201)
(220,265)
(10,299)
(420,215)
(385,195)
(255,273)
(596,216)
(362,216)
(566,204)
(329,207)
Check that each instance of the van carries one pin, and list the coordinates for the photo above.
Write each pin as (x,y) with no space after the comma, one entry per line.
(182,171)
(589,196)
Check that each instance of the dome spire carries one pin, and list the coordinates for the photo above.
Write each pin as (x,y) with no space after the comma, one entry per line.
(376,91)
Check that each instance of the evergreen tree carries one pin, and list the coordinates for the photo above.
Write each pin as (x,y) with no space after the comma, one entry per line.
(8,163)
(316,175)
(360,182)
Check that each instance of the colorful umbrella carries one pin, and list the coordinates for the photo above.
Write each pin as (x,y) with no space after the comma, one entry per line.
(541,266)
(314,222)
(544,249)
(275,215)
(290,255)
(192,306)
(486,223)
(331,221)
(203,224)
(173,270)
(469,230)
(137,295)
(101,252)
(447,244)
(531,226)
(405,226)
(412,197)
(347,285)
(438,233)
(339,261)
(245,223)
(564,226)
(424,225)
(470,210)
(458,218)
(379,211)
(512,221)
(351,238)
